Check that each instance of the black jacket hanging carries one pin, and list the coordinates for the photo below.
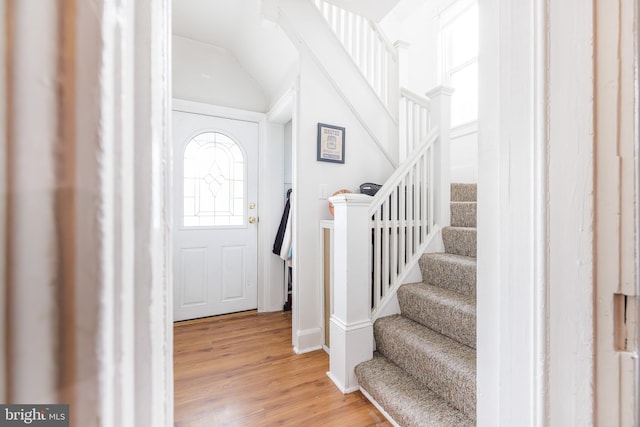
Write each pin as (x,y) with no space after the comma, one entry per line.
(277,245)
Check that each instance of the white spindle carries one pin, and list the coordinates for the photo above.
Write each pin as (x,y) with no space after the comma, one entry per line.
(377,291)
(417,192)
(393,265)
(367,46)
(402,224)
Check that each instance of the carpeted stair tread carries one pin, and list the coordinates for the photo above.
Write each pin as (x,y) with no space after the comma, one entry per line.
(449,271)
(444,311)
(445,366)
(463,214)
(464,192)
(405,399)
(459,240)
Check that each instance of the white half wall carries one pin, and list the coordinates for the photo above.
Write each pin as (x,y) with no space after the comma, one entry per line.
(212,75)
(464,156)
(318,101)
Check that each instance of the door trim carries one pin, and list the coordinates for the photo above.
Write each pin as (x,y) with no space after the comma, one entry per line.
(269,287)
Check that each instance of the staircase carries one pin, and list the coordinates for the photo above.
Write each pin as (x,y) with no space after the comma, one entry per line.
(424,370)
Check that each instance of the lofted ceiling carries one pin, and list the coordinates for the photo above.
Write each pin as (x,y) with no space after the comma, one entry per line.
(264,51)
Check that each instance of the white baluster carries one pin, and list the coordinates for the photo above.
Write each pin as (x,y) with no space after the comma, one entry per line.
(377,250)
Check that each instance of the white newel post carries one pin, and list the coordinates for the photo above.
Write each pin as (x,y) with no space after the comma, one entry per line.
(402,48)
(350,326)
(440,97)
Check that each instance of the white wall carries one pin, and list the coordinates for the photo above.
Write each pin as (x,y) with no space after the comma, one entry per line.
(464,157)
(212,75)
(319,102)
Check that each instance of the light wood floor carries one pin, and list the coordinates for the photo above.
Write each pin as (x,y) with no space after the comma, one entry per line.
(240,370)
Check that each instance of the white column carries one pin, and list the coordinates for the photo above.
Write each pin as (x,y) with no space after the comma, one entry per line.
(440,97)
(350,327)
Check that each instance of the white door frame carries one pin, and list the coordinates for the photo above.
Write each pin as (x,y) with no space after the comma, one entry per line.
(535,194)
(269,201)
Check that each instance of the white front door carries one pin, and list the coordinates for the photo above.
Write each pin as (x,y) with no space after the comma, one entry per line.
(215,215)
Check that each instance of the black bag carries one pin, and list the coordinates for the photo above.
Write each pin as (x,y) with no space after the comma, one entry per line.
(370,188)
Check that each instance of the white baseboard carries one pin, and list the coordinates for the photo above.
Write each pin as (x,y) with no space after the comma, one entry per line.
(309,340)
(377,405)
(340,386)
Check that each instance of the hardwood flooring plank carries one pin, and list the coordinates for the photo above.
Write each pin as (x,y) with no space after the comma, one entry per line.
(240,370)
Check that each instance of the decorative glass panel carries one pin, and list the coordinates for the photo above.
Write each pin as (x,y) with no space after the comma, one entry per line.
(213,182)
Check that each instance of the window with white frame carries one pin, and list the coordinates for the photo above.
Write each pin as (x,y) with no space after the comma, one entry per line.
(459,59)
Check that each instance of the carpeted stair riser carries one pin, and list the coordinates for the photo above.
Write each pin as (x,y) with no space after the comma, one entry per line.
(440,363)
(449,313)
(463,214)
(454,272)
(459,241)
(464,193)
(408,401)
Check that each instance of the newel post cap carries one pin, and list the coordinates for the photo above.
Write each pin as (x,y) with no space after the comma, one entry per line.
(351,199)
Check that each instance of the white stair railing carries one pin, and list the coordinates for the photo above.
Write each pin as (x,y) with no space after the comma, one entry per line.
(377,240)
(413,122)
(402,220)
(372,52)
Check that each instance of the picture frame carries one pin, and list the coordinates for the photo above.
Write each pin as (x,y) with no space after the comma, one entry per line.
(331,143)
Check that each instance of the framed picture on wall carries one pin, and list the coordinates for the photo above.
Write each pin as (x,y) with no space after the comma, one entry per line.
(330,143)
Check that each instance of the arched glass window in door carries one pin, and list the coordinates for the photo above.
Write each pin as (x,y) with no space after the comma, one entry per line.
(213,182)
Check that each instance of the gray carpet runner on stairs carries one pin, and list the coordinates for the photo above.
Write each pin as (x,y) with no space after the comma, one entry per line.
(424,370)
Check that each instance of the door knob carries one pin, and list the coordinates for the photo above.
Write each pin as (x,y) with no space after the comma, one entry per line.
(252,220)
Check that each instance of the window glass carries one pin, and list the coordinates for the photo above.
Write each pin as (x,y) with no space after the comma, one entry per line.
(459,57)
(214,170)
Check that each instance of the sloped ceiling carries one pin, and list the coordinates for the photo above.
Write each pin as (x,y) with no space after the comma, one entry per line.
(264,51)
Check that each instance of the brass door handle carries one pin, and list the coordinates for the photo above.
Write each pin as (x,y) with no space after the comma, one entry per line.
(252,220)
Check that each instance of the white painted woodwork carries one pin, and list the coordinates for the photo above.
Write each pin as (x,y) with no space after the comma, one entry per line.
(416,24)
(616,185)
(532,211)
(351,327)
(400,222)
(535,214)
(440,119)
(88,313)
(215,268)
(317,97)
(413,123)
(376,56)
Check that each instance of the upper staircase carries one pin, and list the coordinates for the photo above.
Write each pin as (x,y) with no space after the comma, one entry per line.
(424,370)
